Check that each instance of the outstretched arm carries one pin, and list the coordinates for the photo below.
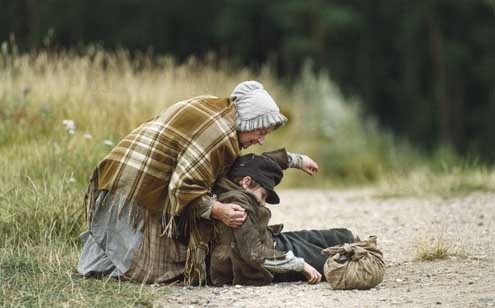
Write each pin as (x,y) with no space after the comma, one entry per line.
(291,263)
(293,160)
(303,162)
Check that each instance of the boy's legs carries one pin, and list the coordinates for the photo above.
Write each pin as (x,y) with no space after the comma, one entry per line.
(307,244)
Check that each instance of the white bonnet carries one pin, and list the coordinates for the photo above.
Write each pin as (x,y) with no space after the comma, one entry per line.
(255,108)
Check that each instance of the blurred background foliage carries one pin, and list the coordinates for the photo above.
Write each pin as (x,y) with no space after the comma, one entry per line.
(424,69)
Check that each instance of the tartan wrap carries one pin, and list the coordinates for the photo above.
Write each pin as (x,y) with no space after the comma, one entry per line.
(172,160)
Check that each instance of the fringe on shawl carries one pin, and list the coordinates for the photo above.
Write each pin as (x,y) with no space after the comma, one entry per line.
(90,197)
(200,235)
(169,223)
(172,226)
(112,199)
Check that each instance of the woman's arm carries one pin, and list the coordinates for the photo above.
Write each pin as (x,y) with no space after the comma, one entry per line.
(194,176)
(231,214)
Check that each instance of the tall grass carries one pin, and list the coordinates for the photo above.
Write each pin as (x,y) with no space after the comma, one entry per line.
(45,162)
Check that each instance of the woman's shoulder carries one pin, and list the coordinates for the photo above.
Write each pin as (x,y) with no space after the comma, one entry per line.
(213,102)
(219,110)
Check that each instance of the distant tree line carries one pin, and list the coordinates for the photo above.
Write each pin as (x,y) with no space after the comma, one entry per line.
(425,69)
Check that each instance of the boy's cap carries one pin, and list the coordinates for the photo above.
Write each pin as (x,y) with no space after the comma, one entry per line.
(263,170)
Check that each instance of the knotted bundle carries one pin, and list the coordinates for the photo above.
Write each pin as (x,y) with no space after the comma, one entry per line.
(354,266)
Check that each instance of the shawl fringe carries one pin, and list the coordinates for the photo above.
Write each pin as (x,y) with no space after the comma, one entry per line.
(200,235)
(112,199)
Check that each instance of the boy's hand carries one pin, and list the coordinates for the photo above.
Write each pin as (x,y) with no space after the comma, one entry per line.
(231,214)
(311,274)
(309,166)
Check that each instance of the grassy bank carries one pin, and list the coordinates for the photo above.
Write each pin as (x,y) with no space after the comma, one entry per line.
(43,276)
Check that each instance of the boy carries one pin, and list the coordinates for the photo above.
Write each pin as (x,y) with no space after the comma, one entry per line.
(246,255)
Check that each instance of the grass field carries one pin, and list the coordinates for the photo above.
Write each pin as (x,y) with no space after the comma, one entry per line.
(61,113)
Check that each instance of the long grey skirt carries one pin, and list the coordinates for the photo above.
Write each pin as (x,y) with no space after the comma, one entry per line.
(117,247)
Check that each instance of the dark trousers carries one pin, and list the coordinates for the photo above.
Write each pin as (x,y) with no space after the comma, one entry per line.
(308,245)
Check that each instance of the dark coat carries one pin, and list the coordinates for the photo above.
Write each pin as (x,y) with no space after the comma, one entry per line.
(238,254)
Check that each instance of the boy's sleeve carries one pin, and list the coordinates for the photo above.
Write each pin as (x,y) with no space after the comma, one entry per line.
(247,236)
(289,263)
(280,156)
(285,159)
(249,246)
(254,253)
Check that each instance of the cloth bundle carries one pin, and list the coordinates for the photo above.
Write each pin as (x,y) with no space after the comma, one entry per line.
(354,266)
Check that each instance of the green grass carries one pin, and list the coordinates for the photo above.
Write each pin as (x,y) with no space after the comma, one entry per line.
(437,247)
(43,276)
(432,253)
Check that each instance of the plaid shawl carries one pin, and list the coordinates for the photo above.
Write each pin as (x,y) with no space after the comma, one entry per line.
(172,161)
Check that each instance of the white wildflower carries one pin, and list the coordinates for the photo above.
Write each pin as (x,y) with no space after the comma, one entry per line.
(87,136)
(71,180)
(70,126)
(109,143)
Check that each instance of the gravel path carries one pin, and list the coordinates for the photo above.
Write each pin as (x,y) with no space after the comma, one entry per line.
(465,279)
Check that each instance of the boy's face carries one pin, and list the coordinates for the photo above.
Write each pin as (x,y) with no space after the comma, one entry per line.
(258,190)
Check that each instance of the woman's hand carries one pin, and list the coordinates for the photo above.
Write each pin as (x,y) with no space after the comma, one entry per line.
(231,214)
(311,274)
(308,165)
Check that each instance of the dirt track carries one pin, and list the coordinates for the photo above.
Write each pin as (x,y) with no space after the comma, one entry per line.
(465,224)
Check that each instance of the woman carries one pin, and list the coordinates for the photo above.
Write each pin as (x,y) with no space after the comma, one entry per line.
(148,198)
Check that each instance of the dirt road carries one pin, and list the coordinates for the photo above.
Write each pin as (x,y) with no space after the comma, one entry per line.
(463,224)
